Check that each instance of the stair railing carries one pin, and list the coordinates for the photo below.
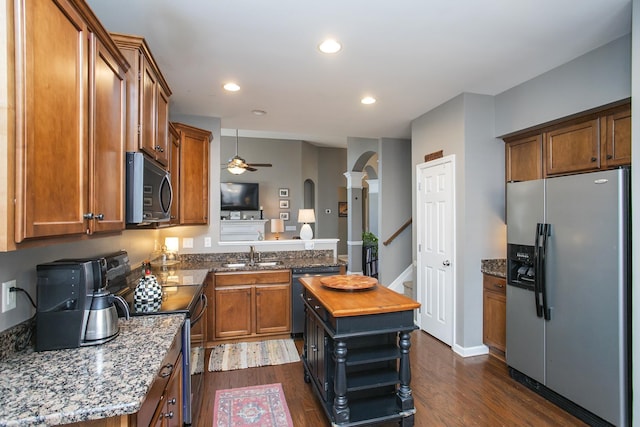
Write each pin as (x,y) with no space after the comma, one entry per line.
(397,233)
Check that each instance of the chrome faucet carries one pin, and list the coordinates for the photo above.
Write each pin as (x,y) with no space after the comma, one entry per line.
(252,254)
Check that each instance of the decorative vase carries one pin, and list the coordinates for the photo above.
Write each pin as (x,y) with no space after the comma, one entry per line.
(147,296)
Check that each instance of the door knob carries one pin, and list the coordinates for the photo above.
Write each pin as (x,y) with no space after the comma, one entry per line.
(446,263)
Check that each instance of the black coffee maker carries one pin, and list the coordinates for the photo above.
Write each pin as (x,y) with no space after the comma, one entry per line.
(74,308)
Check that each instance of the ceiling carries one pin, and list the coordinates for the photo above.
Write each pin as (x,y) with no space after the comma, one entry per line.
(411,55)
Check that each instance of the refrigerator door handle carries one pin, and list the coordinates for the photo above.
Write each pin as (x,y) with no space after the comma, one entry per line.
(546,232)
(537,270)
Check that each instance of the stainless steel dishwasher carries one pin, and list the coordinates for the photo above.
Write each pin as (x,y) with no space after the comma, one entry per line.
(297,306)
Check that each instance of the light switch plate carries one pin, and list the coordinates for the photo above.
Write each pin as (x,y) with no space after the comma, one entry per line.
(207,242)
(187,242)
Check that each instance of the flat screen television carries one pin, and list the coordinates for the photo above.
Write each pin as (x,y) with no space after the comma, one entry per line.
(239,196)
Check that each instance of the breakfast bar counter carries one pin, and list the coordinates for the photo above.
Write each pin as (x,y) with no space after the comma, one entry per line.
(88,383)
(356,351)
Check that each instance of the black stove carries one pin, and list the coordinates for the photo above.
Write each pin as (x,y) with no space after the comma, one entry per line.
(175,299)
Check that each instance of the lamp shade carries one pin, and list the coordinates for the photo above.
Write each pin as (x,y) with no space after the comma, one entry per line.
(277,225)
(306,216)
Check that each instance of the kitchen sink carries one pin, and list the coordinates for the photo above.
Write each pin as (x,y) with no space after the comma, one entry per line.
(248,264)
(234,264)
(268,263)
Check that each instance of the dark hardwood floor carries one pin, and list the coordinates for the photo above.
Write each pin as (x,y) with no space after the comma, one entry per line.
(448,390)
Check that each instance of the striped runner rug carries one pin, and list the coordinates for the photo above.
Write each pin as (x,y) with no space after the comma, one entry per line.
(227,357)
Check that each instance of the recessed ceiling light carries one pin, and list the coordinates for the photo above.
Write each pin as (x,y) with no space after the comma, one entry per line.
(231,87)
(259,112)
(330,46)
(368,100)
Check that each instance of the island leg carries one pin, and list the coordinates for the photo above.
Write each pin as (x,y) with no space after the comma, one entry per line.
(340,404)
(404,396)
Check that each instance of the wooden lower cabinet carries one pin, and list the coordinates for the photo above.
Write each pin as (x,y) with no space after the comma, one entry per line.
(251,303)
(494,313)
(162,406)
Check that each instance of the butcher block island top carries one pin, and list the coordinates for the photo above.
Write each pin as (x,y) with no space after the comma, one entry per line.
(342,303)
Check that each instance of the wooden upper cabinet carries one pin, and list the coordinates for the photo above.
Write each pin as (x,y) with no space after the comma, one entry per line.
(616,138)
(595,140)
(66,76)
(174,170)
(194,174)
(107,147)
(573,148)
(147,100)
(524,159)
(52,131)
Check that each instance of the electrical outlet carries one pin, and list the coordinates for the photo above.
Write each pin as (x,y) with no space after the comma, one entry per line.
(8,297)
(207,242)
(187,242)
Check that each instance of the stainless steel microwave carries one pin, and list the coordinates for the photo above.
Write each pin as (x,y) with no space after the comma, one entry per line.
(149,194)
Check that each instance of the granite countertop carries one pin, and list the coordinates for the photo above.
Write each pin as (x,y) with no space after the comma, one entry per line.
(66,386)
(286,260)
(495,267)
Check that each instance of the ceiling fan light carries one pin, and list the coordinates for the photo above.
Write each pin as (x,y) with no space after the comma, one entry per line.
(235,169)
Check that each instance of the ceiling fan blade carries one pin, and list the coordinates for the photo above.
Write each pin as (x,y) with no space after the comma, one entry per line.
(249,168)
(260,165)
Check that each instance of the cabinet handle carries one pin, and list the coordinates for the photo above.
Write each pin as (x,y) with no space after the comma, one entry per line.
(88,215)
(169,415)
(498,285)
(99,217)
(172,401)
(593,159)
(314,347)
(166,370)
(317,307)
(609,157)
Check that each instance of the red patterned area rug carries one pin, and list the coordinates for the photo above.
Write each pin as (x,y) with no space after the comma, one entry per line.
(257,406)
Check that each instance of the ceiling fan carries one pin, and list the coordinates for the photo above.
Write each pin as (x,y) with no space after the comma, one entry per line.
(237,165)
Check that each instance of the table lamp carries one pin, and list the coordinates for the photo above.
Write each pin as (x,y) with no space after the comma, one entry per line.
(306,217)
(277,227)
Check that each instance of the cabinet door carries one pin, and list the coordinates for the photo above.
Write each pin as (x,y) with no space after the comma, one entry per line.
(162,134)
(52,123)
(524,159)
(573,148)
(173,397)
(233,310)
(494,312)
(107,141)
(194,175)
(617,136)
(148,103)
(273,308)
(174,170)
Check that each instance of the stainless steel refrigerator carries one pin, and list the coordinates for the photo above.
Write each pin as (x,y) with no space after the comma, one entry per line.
(568,280)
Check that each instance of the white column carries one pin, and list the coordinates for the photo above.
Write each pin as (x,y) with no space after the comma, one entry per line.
(374,189)
(354,221)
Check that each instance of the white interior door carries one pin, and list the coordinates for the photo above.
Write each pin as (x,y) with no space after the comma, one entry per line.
(435,254)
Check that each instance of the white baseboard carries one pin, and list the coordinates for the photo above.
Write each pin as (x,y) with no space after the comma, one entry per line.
(470,351)
(405,276)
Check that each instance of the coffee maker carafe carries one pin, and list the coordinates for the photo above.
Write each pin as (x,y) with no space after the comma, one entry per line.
(74,309)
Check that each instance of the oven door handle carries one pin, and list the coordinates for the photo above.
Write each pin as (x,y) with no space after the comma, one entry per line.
(197,318)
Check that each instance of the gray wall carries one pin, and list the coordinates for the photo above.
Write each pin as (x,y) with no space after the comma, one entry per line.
(332,164)
(597,78)
(464,127)
(21,265)
(635,212)
(394,207)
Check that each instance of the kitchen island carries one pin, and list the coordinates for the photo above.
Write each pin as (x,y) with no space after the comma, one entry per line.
(88,383)
(356,353)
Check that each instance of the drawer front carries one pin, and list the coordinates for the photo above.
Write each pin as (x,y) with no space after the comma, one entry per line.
(252,277)
(494,283)
(315,305)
